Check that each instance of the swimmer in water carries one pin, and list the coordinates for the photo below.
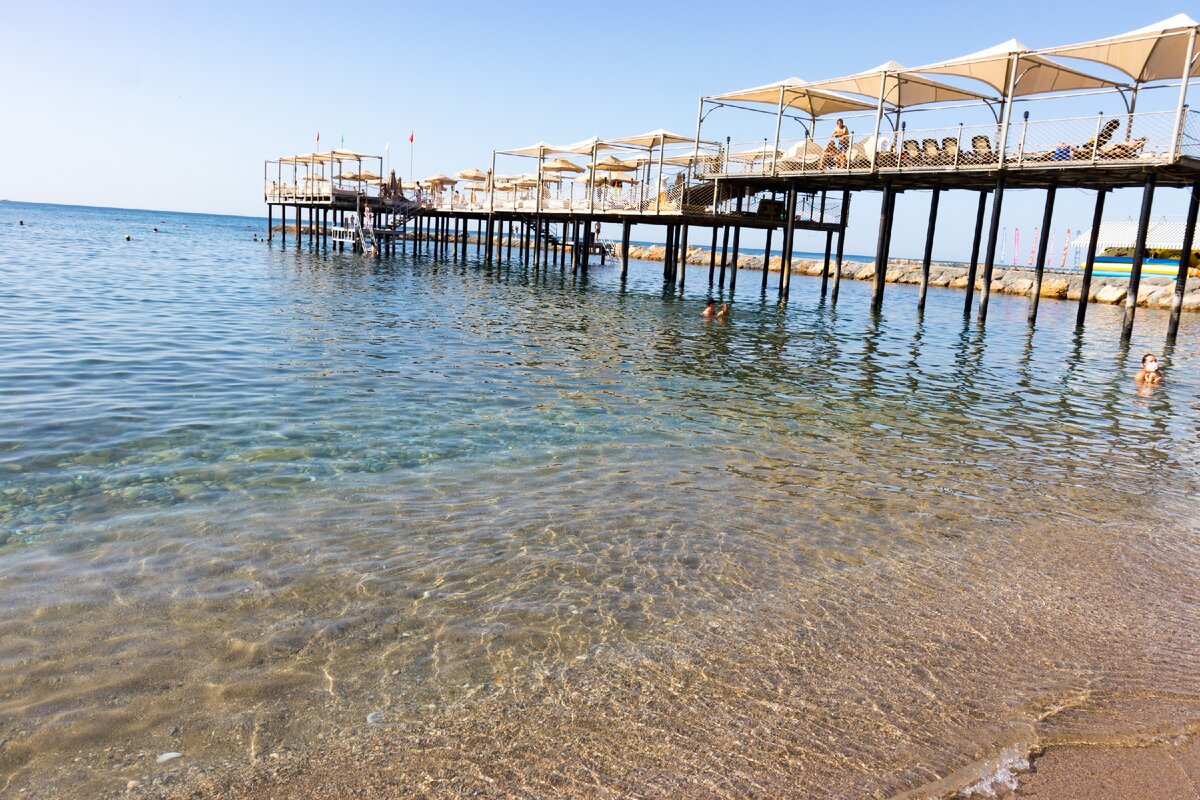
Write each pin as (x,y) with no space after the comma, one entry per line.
(1149,372)
(723,311)
(710,309)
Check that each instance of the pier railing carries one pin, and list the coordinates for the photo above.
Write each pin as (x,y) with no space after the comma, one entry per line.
(1146,137)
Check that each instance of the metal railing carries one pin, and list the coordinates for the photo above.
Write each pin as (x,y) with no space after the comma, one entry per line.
(1145,137)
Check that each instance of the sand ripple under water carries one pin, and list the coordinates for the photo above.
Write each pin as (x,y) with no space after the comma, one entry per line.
(559,538)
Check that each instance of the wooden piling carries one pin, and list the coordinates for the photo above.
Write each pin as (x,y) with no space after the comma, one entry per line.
(712,256)
(626,228)
(841,249)
(1185,260)
(766,267)
(974,265)
(737,240)
(683,248)
(989,258)
(825,268)
(789,240)
(886,207)
(1139,257)
(1043,245)
(927,258)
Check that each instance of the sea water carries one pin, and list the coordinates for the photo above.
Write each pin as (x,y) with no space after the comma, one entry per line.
(557,533)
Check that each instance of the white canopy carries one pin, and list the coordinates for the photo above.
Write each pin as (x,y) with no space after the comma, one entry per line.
(1153,53)
(1034,75)
(584,147)
(899,86)
(796,94)
(656,138)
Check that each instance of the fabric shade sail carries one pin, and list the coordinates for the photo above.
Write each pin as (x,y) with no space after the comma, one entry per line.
(1035,74)
(899,87)
(656,138)
(1153,53)
(796,95)
(584,147)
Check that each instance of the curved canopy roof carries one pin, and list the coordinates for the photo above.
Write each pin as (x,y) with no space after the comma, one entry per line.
(655,138)
(796,94)
(584,147)
(1153,53)
(899,86)
(1035,74)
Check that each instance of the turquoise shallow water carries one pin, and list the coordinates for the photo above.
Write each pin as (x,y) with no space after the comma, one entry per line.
(255,492)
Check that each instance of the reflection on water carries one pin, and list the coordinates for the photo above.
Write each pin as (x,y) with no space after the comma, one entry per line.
(564,534)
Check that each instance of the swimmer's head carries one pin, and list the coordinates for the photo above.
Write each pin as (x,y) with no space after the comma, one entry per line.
(1150,362)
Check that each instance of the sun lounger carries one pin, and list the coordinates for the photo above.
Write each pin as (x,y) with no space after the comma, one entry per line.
(981,151)
(801,156)
(950,148)
(1121,150)
(1095,145)
(933,154)
(861,150)
(912,152)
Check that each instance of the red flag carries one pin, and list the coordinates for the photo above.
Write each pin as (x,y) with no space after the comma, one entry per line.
(318,138)
(410,138)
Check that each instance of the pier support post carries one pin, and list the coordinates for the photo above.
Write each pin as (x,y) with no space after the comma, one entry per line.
(789,240)
(587,247)
(669,253)
(270,222)
(733,268)
(766,268)
(844,218)
(1139,257)
(1039,266)
(683,249)
(837,265)
(886,206)
(625,230)
(974,266)
(1185,261)
(989,258)
(537,241)
(712,257)
(927,259)
(825,268)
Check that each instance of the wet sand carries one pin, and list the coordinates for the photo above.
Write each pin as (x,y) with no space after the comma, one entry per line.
(372,770)
(1160,772)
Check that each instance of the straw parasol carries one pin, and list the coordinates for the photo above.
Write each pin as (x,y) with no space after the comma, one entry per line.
(561,165)
(612,164)
(472,174)
(440,180)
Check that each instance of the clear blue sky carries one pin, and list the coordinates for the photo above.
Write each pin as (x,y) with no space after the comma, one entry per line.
(175,106)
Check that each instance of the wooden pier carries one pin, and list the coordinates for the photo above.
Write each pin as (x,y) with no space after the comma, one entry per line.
(706,190)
